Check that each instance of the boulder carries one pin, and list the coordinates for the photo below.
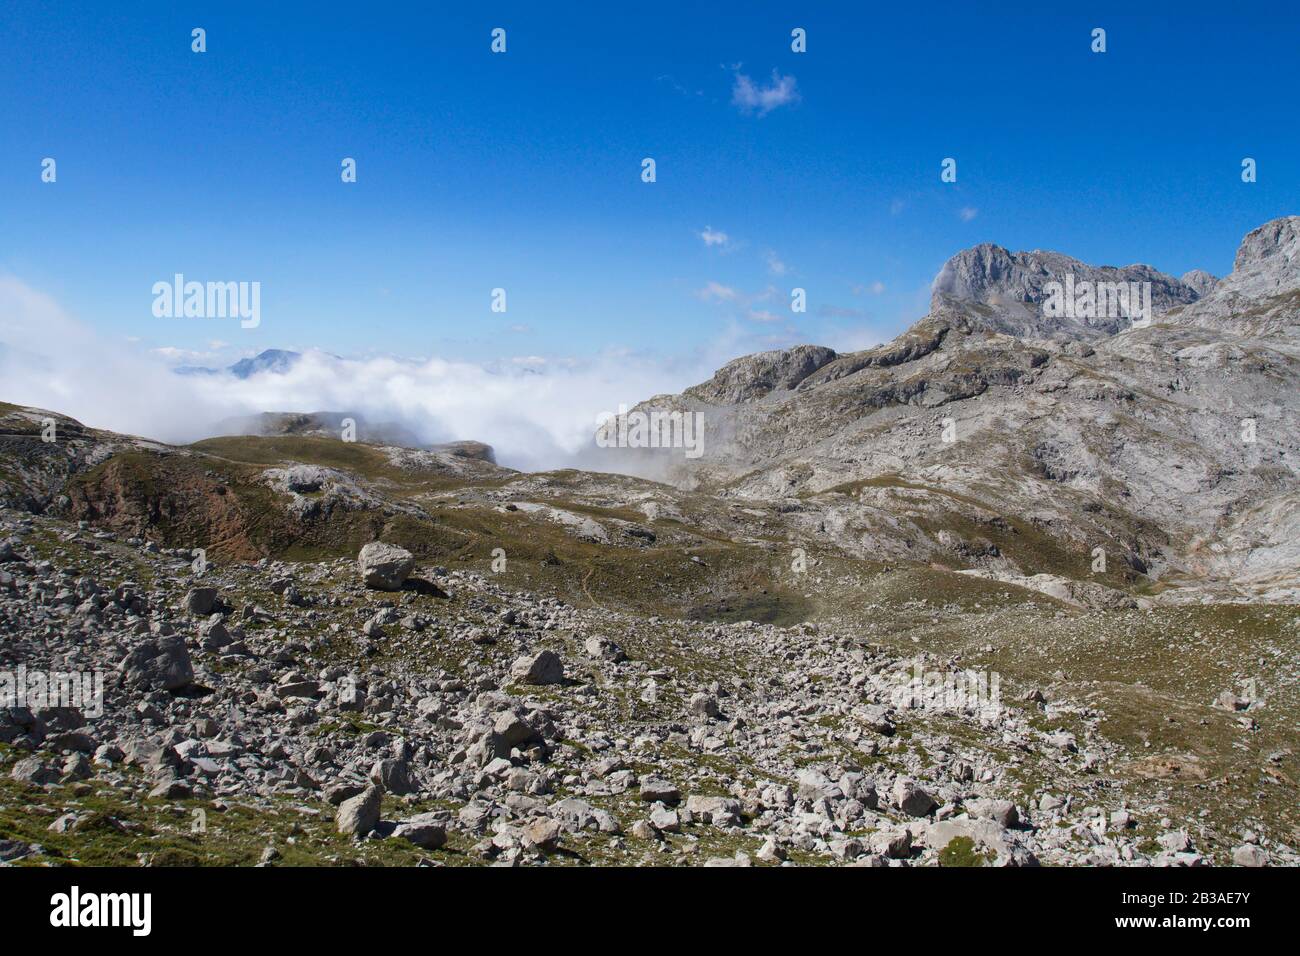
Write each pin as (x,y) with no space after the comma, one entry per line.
(425,830)
(201,601)
(162,664)
(384,567)
(393,776)
(541,668)
(359,815)
(657,788)
(912,799)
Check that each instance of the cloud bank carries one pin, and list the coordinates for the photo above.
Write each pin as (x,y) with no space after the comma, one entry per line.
(536,413)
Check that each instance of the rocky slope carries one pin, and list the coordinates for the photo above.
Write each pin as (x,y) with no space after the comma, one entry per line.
(1172,446)
(398,712)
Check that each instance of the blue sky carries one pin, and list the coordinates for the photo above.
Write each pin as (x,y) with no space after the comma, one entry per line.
(522,170)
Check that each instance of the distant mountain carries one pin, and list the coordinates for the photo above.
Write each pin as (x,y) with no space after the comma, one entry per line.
(270,360)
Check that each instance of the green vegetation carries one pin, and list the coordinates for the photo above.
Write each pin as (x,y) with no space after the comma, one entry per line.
(961,851)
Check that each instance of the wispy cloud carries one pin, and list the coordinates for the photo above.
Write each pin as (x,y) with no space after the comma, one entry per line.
(672,81)
(717,292)
(774,263)
(875,288)
(713,237)
(968,213)
(751,97)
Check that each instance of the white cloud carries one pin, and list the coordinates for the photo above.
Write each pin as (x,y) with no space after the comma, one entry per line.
(774,263)
(713,237)
(763,315)
(968,213)
(537,413)
(717,292)
(751,97)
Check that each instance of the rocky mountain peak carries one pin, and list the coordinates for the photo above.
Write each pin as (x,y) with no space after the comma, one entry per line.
(1201,281)
(1268,259)
(1260,296)
(1017,287)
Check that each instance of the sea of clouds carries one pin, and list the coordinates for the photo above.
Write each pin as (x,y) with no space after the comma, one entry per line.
(535,414)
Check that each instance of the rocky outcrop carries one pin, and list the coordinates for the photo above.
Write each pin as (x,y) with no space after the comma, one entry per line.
(755,377)
(1260,298)
(1200,281)
(1268,260)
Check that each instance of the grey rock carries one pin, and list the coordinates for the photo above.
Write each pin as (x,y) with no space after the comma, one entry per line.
(912,799)
(427,830)
(544,667)
(358,815)
(1249,855)
(658,789)
(201,601)
(163,664)
(384,567)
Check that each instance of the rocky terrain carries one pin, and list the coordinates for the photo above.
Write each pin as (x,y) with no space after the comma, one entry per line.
(1172,444)
(1066,636)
